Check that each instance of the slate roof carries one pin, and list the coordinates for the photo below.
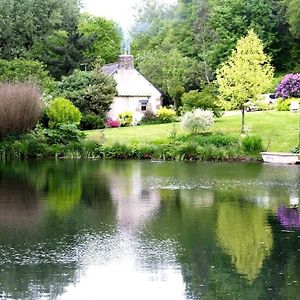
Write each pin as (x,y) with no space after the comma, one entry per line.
(130,82)
(110,69)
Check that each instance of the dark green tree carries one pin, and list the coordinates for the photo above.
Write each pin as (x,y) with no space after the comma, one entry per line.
(106,38)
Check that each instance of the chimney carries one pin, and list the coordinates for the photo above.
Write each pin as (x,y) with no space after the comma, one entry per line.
(125,62)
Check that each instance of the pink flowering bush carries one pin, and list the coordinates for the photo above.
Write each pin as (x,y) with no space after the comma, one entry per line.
(110,123)
(289,86)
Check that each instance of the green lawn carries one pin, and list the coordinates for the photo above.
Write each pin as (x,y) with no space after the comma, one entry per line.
(279,130)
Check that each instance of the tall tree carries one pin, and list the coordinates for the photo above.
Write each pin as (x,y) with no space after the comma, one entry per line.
(246,74)
(63,51)
(24,22)
(231,19)
(106,37)
(293,12)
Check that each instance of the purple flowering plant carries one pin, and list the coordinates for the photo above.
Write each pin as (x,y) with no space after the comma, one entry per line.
(289,87)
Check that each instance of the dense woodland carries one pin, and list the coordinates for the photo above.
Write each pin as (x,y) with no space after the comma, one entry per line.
(180,47)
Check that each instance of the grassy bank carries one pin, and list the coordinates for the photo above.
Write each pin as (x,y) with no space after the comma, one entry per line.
(279,130)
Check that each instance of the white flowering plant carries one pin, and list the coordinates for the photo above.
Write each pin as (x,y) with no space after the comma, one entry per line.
(197,121)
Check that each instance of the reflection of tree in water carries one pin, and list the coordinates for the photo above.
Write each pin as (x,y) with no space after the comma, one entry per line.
(33,281)
(192,230)
(243,232)
(57,201)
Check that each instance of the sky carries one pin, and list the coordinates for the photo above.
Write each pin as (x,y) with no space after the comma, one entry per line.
(120,11)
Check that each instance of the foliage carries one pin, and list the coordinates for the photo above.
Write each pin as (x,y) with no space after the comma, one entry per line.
(64,134)
(110,123)
(285,104)
(92,92)
(63,51)
(89,122)
(166,115)
(264,124)
(149,117)
(293,12)
(289,86)
(25,22)
(246,74)
(99,95)
(206,99)
(166,70)
(26,71)
(232,19)
(106,37)
(125,118)
(252,143)
(74,88)
(61,111)
(20,107)
(246,223)
(197,121)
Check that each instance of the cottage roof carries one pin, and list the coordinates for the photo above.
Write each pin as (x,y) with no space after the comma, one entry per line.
(110,69)
(130,82)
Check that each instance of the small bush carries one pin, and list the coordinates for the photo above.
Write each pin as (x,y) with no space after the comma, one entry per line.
(252,143)
(149,118)
(63,134)
(206,100)
(166,115)
(62,111)
(125,118)
(197,121)
(110,123)
(20,107)
(285,104)
(89,122)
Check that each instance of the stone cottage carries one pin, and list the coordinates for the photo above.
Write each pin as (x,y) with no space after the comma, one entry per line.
(134,92)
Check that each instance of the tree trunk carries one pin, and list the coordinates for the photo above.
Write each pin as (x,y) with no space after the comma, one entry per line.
(243,121)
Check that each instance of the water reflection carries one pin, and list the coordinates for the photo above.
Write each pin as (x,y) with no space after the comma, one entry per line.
(135,203)
(143,230)
(244,233)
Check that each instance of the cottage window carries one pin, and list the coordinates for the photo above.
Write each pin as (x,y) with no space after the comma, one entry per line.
(144,104)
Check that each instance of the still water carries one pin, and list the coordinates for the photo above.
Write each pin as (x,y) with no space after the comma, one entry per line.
(149,230)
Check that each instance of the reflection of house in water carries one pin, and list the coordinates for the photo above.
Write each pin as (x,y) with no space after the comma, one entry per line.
(135,202)
(20,203)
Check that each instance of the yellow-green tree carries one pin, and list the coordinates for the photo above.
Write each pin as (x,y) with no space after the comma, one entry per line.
(245,75)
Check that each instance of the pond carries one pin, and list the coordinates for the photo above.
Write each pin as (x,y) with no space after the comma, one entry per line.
(149,230)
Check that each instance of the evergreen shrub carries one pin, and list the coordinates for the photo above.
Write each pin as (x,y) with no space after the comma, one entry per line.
(61,111)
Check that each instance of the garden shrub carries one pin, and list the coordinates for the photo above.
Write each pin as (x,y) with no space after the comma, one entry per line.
(125,118)
(252,144)
(206,100)
(197,121)
(289,86)
(285,104)
(149,117)
(110,123)
(20,107)
(62,111)
(92,92)
(64,134)
(89,122)
(166,115)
